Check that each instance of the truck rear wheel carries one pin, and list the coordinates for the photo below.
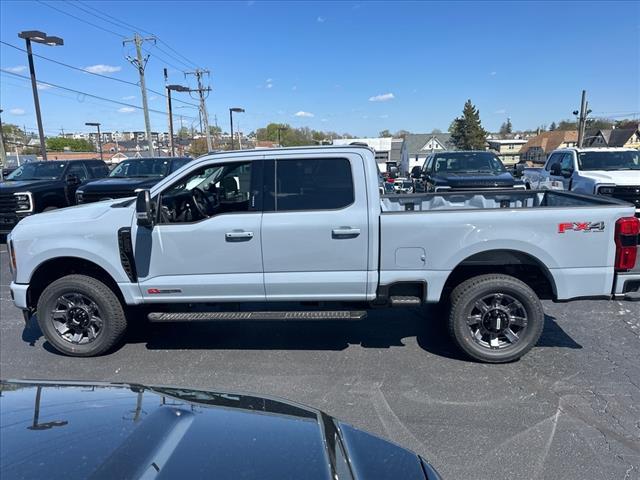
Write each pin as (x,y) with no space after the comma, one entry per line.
(495,318)
(81,316)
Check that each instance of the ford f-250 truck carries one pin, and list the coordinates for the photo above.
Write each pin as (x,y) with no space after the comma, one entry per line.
(601,171)
(308,225)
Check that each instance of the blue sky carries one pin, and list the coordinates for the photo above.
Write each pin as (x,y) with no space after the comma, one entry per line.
(355,67)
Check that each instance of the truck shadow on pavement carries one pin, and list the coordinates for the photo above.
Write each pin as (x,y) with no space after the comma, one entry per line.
(381,329)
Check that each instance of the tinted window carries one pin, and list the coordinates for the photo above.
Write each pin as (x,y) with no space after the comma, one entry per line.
(322,184)
(98,170)
(179,163)
(143,167)
(610,160)
(553,159)
(39,171)
(77,168)
(566,164)
(467,162)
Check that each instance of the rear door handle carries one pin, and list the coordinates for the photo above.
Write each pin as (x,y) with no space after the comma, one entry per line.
(238,236)
(345,232)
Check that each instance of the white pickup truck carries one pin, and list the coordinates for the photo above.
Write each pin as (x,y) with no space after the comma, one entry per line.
(601,171)
(308,226)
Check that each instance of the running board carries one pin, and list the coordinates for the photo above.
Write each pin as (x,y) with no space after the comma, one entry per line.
(211,316)
(405,301)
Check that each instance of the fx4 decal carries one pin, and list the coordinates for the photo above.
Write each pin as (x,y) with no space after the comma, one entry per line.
(581,227)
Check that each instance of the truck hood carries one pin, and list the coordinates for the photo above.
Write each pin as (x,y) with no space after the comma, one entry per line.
(109,184)
(69,215)
(135,431)
(615,177)
(474,180)
(9,186)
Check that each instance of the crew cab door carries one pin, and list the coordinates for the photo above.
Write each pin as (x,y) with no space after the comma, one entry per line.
(215,255)
(315,227)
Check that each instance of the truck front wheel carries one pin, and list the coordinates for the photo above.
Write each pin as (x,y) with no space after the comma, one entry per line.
(81,316)
(495,318)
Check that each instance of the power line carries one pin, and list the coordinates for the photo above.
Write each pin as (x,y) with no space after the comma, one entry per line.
(104,14)
(81,19)
(93,73)
(84,93)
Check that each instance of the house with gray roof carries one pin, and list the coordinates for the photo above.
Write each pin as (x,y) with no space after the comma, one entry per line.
(615,137)
(419,145)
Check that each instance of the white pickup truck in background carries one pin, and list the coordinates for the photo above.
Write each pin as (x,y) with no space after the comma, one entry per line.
(601,171)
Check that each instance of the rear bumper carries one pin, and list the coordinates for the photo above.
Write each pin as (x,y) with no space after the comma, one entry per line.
(19,295)
(627,286)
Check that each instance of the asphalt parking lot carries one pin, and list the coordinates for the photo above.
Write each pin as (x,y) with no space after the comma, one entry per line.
(569,409)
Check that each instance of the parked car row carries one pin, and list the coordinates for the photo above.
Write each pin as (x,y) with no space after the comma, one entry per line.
(37,187)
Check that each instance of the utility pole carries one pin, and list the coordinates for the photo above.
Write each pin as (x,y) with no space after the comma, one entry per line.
(140,63)
(3,154)
(199,73)
(582,119)
(170,113)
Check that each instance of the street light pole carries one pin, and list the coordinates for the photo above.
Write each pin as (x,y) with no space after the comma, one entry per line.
(38,37)
(231,110)
(280,129)
(177,88)
(96,124)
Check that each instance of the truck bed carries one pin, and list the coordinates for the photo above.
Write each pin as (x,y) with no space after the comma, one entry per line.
(494,199)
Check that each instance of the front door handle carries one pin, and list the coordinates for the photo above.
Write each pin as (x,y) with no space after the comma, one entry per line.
(238,236)
(345,232)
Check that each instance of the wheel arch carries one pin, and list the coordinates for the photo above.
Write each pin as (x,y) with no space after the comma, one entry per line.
(55,268)
(518,264)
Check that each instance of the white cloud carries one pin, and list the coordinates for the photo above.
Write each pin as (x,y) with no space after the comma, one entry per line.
(102,69)
(129,97)
(269,85)
(44,86)
(501,111)
(304,114)
(321,19)
(324,120)
(384,116)
(269,80)
(16,69)
(383,97)
(493,74)
(126,110)
(16,111)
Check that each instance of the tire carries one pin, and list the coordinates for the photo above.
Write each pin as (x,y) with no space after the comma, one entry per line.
(70,296)
(495,318)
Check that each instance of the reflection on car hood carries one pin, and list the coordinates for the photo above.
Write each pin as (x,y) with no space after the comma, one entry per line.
(13,186)
(111,184)
(615,177)
(64,430)
(474,179)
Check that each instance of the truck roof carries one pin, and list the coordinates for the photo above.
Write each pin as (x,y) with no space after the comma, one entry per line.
(289,149)
(595,149)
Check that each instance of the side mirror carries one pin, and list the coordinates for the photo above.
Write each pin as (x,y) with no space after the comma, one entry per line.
(556,169)
(416,172)
(73,180)
(520,169)
(144,212)
(567,173)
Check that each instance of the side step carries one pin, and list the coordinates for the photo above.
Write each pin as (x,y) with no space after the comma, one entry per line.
(405,301)
(211,316)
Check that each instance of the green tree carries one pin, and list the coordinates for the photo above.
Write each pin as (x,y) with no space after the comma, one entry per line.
(567,125)
(198,147)
(183,132)
(402,134)
(553,126)
(215,130)
(436,131)
(506,128)
(59,144)
(385,134)
(466,131)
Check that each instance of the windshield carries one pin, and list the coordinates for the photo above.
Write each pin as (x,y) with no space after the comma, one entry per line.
(146,167)
(38,171)
(608,160)
(467,162)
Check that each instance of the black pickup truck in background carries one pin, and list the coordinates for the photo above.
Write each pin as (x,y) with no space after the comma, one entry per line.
(41,186)
(128,177)
(463,170)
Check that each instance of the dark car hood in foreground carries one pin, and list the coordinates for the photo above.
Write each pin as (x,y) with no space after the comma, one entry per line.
(111,184)
(13,186)
(63,430)
(475,180)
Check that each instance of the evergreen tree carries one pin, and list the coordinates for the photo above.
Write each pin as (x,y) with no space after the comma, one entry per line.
(466,131)
(506,128)
(553,126)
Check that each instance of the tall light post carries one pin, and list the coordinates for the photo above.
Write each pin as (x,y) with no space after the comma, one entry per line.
(280,129)
(38,37)
(175,88)
(231,110)
(96,124)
